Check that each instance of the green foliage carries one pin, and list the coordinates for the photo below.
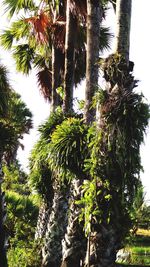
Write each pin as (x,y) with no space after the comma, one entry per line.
(140,211)
(14,6)
(23,256)
(68,145)
(22,211)
(62,147)
(40,178)
(49,126)
(4,91)
(89,205)
(18,30)
(15,179)
(105,39)
(23,55)
(17,123)
(114,161)
(20,115)
(15,117)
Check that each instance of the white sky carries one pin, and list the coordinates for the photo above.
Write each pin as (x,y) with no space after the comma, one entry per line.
(139,53)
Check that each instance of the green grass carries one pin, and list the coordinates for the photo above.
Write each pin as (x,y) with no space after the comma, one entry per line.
(139,248)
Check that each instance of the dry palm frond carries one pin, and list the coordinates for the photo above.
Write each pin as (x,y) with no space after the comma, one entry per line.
(40,25)
(58,30)
(44,78)
(79,8)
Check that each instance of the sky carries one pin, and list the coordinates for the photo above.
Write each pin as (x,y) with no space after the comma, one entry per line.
(27,87)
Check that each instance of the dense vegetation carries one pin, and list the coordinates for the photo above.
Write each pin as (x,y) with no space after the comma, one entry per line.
(83,198)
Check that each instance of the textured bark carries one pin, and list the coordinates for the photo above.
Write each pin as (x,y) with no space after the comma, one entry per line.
(43,217)
(56,77)
(3,258)
(74,241)
(52,250)
(123,14)
(70,41)
(103,247)
(94,17)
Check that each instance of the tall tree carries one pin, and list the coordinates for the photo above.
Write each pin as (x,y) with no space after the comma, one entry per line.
(15,120)
(5,90)
(116,171)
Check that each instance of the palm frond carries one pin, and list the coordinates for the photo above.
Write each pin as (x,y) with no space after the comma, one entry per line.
(40,24)
(40,62)
(23,55)
(19,29)
(49,126)
(105,38)
(79,8)
(58,30)
(19,114)
(44,78)
(6,39)
(14,6)
(4,91)
(68,145)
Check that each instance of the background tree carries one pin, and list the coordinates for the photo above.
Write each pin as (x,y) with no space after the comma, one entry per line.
(15,120)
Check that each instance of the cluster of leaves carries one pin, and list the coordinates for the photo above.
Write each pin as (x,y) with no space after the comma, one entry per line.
(40,178)
(68,145)
(62,146)
(16,122)
(15,179)
(22,213)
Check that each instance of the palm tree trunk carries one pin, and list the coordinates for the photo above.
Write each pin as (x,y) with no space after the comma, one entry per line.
(3,258)
(56,79)
(107,237)
(74,241)
(94,17)
(70,41)
(123,14)
(56,227)
(43,217)
(103,247)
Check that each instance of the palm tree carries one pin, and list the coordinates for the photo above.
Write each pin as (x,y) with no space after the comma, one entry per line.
(30,50)
(15,120)
(117,138)
(69,149)
(5,90)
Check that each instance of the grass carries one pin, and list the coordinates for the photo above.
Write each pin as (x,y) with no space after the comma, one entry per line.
(139,249)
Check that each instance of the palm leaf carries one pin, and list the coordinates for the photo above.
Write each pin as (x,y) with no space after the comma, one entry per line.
(23,55)
(14,6)
(7,39)
(79,8)
(68,145)
(4,91)
(44,78)
(49,126)
(40,24)
(19,29)
(105,38)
